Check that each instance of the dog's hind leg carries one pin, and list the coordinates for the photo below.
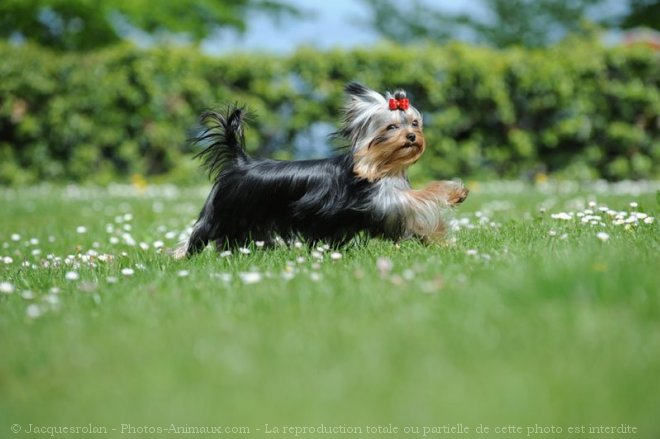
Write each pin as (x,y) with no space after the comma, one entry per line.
(199,238)
(203,230)
(197,241)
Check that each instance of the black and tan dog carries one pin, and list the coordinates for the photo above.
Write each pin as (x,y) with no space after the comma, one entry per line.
(365,189)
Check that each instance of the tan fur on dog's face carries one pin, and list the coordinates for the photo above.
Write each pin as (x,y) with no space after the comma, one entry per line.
(397,144)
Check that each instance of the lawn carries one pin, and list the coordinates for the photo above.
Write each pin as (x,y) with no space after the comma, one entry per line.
(543,314)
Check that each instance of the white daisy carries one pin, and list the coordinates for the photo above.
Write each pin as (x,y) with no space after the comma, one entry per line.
(6,288)
(250,277)
(602,236)
(384,264)
(33,311)
(71,275)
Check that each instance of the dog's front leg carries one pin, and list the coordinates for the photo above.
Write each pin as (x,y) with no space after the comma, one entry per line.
(427,217)
(448,191)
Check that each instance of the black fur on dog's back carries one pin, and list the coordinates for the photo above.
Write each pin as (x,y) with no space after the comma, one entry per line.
(259,199)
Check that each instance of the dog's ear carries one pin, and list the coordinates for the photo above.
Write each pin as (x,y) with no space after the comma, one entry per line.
(361,107)
(355,88)
(359,93)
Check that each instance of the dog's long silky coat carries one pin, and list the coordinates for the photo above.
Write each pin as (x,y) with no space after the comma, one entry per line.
(365,189)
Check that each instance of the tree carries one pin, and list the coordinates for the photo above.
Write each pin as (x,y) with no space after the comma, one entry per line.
(498,23)
(88,24)
(642,13)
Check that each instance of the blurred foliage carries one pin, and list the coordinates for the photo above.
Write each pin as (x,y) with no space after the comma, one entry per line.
(576,109)
(89,24)
(642,13)
(504,23)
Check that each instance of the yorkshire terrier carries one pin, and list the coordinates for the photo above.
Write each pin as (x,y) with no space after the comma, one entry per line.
(363,190)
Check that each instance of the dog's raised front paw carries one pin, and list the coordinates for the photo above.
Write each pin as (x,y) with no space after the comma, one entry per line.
(457,194)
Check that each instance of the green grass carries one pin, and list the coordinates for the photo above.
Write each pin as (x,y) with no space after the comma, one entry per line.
(509,326)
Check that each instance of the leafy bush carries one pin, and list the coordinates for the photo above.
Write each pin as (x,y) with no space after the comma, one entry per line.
(577,109)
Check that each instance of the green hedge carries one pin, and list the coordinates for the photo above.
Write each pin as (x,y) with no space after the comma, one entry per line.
(577,109)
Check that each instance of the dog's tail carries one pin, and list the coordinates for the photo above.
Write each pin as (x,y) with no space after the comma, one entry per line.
(223,139)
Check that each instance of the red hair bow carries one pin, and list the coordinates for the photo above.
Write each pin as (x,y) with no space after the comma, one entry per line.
(399,104)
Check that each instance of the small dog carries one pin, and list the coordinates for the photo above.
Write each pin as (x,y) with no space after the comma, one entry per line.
(364,189)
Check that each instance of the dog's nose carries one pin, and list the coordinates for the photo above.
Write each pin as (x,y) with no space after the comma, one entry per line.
(411,137)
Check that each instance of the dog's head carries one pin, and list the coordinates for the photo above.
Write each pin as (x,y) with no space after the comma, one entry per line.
(385,131)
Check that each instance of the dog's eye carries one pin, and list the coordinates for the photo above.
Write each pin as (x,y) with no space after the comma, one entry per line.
(415,123)
(391,127)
